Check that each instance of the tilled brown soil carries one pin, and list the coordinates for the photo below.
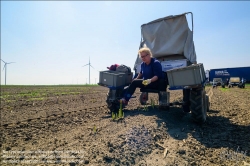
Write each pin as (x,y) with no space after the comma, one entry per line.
(77,129)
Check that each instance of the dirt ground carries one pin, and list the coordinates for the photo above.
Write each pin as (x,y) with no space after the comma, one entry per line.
(77,129)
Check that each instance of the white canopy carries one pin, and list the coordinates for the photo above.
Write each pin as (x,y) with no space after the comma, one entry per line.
(168,36)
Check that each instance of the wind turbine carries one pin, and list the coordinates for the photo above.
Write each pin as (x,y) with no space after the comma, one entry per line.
(89,69)
(5,66)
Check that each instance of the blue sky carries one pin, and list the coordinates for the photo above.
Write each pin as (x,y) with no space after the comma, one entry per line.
(51,41)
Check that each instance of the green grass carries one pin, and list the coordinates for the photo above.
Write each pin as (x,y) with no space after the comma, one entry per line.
(36,99)
(248,85)
(247,88)
(78,85)
(10,101)
(224,89)
(14,92)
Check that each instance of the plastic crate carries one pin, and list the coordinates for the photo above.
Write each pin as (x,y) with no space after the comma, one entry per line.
(114,78)
(187,76)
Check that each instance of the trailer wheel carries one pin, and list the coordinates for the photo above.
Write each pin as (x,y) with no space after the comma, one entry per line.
(208,103)
(186,100)
(143,98)
(198,105)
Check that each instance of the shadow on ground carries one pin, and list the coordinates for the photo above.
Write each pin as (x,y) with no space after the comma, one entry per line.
(216,132)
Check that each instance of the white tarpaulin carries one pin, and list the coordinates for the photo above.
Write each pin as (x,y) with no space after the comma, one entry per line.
(168,36)
(173,64)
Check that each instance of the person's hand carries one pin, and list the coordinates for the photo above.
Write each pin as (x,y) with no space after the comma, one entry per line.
(146,82)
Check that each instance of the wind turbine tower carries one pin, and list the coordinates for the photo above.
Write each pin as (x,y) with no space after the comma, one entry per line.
(89,69)
(5,67)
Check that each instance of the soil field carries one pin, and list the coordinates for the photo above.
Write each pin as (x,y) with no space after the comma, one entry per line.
(71,125)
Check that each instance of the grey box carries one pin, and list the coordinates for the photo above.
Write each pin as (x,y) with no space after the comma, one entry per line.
(187,76)
(112,78)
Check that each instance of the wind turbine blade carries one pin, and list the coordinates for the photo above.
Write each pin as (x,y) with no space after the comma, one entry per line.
(92,66)
(11,62)
(85,65)
(4,66)
(3,61)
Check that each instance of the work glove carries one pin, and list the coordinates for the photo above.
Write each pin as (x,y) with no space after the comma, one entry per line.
(146,82)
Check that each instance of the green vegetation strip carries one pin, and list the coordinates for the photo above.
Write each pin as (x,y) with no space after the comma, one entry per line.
(224,89)
(36,92)
(247,85)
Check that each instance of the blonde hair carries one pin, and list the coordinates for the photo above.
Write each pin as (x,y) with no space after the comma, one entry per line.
(145,50)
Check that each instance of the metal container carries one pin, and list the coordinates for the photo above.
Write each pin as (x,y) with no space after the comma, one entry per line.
(234,79)
(187,76)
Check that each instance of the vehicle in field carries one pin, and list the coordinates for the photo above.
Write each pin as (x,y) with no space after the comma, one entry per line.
(235,81)
(171,42)
(242,83)
(226,73)
(218,82)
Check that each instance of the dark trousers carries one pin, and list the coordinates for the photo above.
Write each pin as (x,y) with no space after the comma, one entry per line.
(129,91)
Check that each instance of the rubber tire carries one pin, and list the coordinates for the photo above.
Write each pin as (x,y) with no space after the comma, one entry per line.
(143,101)
(198,105)
(208,103)
(186,100)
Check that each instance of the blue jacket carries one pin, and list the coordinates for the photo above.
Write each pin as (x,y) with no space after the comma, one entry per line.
(154,68)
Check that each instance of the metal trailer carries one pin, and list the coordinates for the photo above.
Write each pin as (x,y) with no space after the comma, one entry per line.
(235,81)
(170,41)
(226,73)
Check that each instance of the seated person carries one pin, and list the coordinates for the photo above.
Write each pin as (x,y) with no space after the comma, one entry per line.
(151,73)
